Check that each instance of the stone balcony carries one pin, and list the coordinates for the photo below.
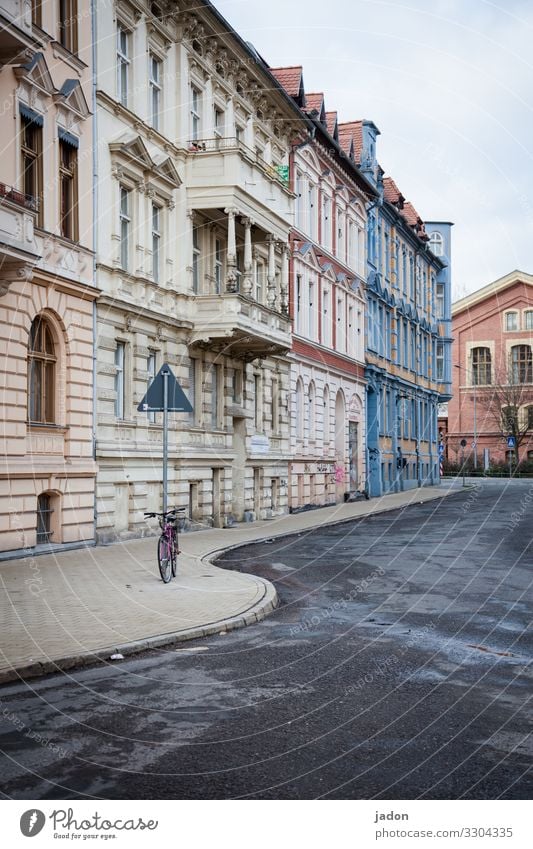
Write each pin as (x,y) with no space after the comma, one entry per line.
(224,172)
(17,43)
(240,327)
(18,247)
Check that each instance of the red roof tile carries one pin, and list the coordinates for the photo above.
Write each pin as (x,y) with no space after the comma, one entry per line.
(392,193)
(352,131)
(315,100)
(290,78)
(331,122)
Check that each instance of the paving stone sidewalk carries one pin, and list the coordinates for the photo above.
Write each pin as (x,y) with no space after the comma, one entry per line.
(70,609)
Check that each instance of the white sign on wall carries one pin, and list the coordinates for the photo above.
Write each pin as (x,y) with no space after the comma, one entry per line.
(259,444)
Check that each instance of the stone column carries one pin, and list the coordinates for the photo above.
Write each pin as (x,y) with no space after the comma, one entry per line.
(271,274)
(284,279)
(247,283)
(231,259)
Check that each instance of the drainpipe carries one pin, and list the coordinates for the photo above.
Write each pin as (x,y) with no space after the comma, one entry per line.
(95,241)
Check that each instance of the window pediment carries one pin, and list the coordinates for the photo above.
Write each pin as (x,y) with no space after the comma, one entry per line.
(36,74)
(133,152)
(70,96)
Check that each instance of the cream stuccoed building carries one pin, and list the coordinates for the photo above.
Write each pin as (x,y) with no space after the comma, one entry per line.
(47,293)
(194,213)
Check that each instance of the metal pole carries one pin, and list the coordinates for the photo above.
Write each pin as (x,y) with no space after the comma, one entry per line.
(464,482)
(511,463)
(475,431)
(165,440)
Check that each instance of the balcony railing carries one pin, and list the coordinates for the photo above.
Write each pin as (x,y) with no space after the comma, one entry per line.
(19,198)
(232,143)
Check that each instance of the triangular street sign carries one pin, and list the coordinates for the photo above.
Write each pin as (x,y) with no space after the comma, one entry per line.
(153,400)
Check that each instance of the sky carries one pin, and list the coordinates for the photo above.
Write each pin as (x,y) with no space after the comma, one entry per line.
(450,86)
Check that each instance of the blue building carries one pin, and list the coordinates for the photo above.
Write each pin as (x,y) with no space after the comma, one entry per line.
(408,340)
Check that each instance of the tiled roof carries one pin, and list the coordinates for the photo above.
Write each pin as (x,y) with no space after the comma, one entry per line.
(290,78)
(391,192)
(331,122)
(352,131)
(413,219)
(314,101)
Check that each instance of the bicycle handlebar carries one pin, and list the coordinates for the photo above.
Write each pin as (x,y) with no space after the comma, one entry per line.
(168,513)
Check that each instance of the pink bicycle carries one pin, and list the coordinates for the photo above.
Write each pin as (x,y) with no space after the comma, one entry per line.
(167,544)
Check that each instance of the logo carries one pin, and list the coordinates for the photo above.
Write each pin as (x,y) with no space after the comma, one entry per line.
(32,822)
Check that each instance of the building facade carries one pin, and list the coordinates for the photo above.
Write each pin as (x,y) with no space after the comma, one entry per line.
(328,274)
(493,374)
(408,343)
(195,210)
(47,292)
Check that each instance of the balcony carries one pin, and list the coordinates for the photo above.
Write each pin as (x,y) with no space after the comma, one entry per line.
(224,172)
(18,250)
(240,327)
(17,44)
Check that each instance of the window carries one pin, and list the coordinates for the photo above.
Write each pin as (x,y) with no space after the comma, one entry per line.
(311,413)
(32,170)
(481,366)
(528,320)
(37,12)
(239,133)
(521,364)
(340,342)
(195,114)
(68,24)
(299,189)
(440,300)
(192,390)
(237,386)
(511,321)
(156,242)
(125,228)
(42,363)
(275,404)
(260,281)
(44,516)
(326,318)
(195,260)
(218,266)
(299,409)
(218,123)
(326,222)
(311,205)
(258,405)
(120,352)
(68,178)
(325,403)
(440,361)
(298,316)
(123,65)
(436,244)
(311,311)
(151,373)
(215,397)
(529,418)
(155,90)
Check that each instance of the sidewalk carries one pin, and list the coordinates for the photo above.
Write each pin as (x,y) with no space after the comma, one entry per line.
(66,610)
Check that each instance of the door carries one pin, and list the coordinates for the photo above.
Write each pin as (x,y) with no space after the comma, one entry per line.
(353,449)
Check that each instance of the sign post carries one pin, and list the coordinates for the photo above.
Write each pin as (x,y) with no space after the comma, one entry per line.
(511,444)
(463,446)
(165,395)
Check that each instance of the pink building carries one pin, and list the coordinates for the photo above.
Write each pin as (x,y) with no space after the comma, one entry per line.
(492,372)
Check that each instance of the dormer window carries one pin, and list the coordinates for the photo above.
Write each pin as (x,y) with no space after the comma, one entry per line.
(436,243)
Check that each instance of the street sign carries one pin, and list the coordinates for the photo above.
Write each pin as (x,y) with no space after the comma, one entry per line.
(153,401)
(474,444)
(511,442)
(164,394)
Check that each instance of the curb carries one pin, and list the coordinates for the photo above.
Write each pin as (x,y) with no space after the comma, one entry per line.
(268,602)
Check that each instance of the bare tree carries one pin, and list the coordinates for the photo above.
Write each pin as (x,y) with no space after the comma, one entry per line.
(508,402)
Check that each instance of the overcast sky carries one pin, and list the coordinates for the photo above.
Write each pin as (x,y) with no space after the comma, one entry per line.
(450,86)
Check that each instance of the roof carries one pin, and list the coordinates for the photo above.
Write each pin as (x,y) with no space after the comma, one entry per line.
(331,122)
(492,289)
(290,78)
(315,100)
(352,132)
(391,192)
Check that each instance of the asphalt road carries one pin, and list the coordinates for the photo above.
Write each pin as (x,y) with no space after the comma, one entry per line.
(397,667)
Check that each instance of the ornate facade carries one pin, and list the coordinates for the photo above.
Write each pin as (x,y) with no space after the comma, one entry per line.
(194,219)
(47,289)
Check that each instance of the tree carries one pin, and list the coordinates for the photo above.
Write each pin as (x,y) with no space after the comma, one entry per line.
(509,403)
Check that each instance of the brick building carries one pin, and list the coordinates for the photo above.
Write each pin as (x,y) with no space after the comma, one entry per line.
(492,372)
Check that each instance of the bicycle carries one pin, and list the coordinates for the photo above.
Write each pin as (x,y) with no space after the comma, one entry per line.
(167,544)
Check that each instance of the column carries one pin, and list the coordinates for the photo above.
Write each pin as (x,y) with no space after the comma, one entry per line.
(271,274)
(231,259)
(285,279)
(247,283)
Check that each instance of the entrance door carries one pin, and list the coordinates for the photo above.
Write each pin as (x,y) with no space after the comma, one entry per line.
(353,449)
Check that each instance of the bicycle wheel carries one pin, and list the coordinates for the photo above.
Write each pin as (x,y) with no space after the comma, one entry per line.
(163,558)
(173,558)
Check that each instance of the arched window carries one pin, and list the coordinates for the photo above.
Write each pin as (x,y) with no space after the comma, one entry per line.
(42,362)
(311,412)
(436,243)
(521,364)
(44,518)
(481,366)
(529,417)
